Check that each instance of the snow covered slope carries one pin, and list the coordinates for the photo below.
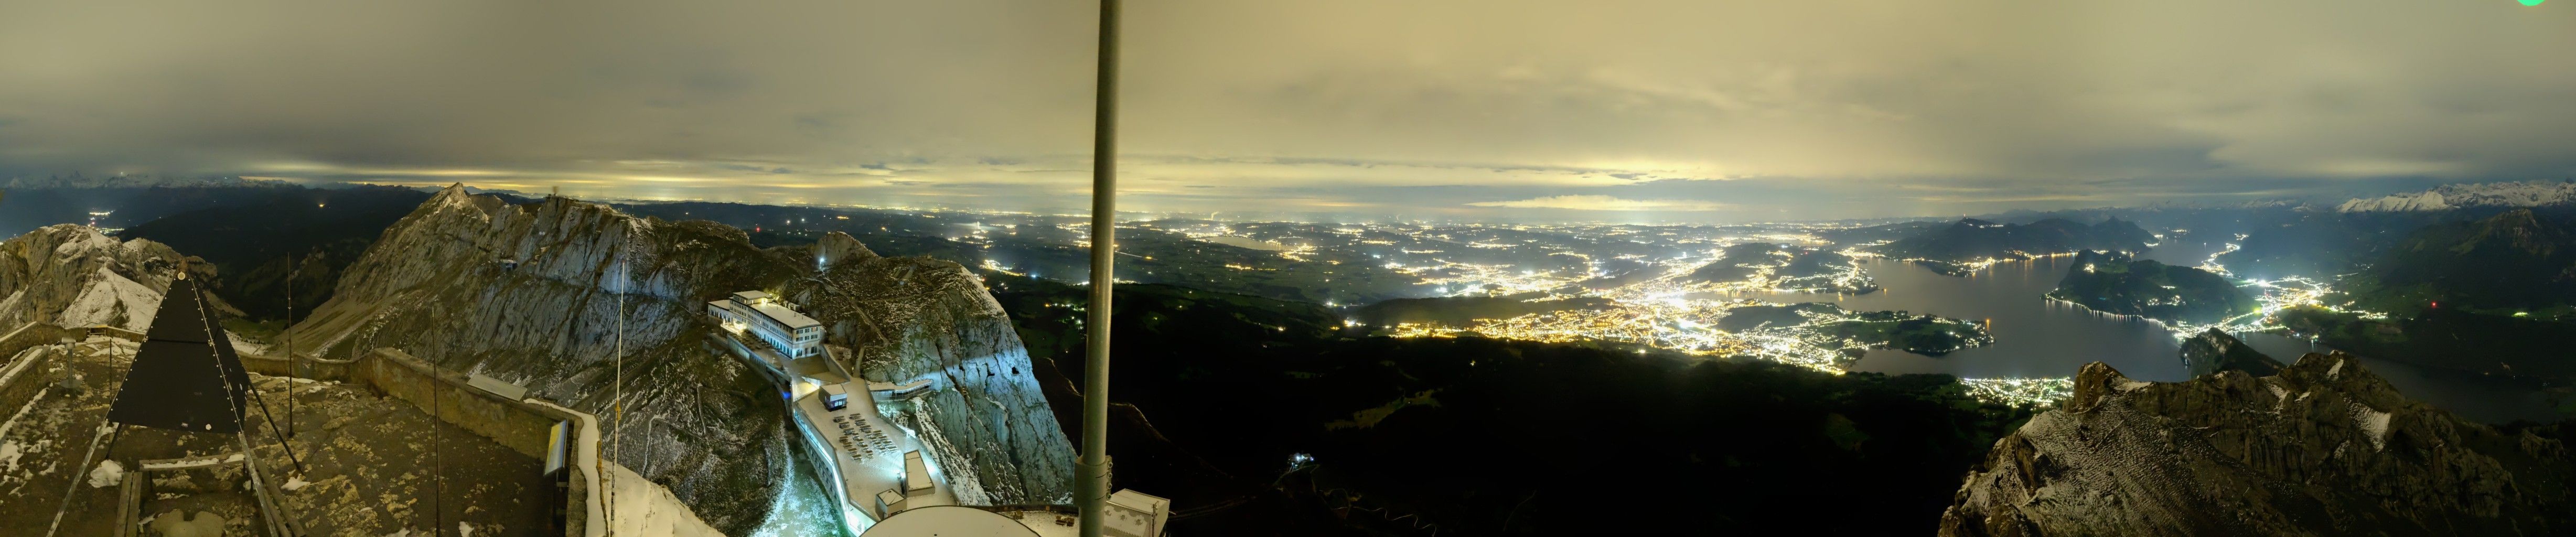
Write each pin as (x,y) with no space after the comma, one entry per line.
(2446,197)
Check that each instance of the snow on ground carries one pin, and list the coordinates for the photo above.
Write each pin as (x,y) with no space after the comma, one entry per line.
(89,240)
(107,474)
(10,448)
(111,299)
(644,508)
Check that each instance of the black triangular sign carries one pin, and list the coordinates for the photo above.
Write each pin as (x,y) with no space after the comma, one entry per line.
(186,377)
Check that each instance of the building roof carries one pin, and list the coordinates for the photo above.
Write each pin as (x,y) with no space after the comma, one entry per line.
(786,317)
(750,296)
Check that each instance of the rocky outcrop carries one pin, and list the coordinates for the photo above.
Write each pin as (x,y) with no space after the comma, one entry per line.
(558,295)
(915,318)
(563,297)
(2322,448)
(70,275)
(836,247)
(2212,351)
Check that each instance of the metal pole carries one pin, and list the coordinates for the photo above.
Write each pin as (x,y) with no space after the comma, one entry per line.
(1091,472)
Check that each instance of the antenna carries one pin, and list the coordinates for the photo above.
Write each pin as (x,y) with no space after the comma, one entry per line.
(1091,471)
(617,388)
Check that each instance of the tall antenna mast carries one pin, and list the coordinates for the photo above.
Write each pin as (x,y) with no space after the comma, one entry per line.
(617,388)
(1091,471)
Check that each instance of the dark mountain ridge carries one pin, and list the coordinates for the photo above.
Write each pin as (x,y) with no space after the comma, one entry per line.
(2116,284)
(1971,240)
(2324,447)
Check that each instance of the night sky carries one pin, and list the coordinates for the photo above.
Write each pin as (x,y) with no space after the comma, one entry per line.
(1690,110)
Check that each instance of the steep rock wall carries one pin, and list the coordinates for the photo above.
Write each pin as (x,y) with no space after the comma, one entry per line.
(2322,448)
(538,294)
(915,318)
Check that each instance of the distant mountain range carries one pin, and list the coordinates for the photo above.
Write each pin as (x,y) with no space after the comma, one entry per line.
(1970,240)
(304,234)
(2515,260)
(2460,196)
(77,180)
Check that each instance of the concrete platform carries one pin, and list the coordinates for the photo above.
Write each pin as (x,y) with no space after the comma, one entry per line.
(374,466)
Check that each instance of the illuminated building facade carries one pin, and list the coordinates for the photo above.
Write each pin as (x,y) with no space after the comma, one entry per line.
(793,334)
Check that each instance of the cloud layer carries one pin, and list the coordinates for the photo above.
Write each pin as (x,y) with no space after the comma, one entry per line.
(1604,203)
(1438,108)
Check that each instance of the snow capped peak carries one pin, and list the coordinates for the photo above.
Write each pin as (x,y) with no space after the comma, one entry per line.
(2445,197)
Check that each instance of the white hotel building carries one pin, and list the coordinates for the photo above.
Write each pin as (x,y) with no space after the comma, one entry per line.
(792,333)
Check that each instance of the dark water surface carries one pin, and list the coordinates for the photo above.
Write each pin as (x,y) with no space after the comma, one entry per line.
(2035,337)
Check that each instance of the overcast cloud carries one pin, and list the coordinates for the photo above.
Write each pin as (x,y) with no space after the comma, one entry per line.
(1683,110)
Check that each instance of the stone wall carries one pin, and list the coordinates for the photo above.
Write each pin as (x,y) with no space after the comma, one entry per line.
(521,426)
(305,367)
(20,380)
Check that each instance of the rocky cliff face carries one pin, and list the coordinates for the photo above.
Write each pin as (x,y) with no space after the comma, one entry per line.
(539,294)
(917,318)
(2322,448)
(2212,351)
(70,275)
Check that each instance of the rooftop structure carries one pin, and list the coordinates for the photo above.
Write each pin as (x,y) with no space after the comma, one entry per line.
(1135,514)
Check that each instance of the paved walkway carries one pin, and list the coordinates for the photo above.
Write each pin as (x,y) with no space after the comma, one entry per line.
(868,450)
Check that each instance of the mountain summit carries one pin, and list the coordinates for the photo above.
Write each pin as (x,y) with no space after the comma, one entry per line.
(546,294)
(2322,448)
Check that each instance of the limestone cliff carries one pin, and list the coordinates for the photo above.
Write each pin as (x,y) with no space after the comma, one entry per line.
(2213,350)
(539,294)
(915,318)
(70,275)
(2322,448)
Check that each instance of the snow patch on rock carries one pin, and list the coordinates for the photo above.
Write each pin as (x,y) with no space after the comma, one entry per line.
(106,475)
(2373,422)
(111,299)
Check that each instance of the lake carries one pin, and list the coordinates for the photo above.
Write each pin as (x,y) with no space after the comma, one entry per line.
(2035,337)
